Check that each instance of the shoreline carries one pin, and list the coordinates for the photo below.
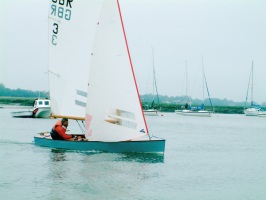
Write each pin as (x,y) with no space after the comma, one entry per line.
(9,106)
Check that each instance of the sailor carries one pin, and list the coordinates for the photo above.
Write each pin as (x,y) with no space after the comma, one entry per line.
(58,132)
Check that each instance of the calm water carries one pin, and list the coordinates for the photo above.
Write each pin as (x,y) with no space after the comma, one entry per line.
(217,158)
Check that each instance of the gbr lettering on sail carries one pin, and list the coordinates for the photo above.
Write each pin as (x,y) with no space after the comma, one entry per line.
(60,9)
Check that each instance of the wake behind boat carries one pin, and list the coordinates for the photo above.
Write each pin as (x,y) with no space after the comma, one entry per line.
(114,119)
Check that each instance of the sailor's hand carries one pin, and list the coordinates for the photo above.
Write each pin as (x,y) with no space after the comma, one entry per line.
(75,137)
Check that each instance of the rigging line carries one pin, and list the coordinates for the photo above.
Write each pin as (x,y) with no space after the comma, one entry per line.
(207,89)
(82,130)
(153,75)
(252,85)
(49,71)
(154,78)
(205,80)
(248,86)
(158,101)
(195,81)
(186,82)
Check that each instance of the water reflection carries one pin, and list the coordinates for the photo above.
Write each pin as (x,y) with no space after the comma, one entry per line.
(91,173)
(142,157)
(58,155)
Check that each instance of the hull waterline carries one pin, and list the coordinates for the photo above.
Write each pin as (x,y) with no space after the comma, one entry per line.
(262,114)
(144,146)
(251,112)
(178,112)
(44,112)
(22,114)
(151,112)
(197,113)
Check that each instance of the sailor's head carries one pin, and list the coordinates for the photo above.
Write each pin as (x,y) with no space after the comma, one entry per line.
(65,122)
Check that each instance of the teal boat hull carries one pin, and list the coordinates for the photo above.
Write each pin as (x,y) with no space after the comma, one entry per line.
(155,145)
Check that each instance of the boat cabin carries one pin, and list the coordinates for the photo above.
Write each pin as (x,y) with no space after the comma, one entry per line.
(41,103)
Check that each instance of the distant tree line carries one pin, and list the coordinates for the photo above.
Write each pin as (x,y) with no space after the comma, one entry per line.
(6,92)
(166,103)
(182,100)
(170,107)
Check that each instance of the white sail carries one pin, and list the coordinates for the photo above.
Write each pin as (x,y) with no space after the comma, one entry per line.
(114,110)
(72,26)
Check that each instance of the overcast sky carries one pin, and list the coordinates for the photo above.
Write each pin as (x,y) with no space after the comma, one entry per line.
(229,34)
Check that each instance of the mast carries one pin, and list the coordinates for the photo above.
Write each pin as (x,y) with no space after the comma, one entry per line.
(154,83)
(189,98)
(153,77)
(186,81)
(250,77)
(202,79)
(252,83)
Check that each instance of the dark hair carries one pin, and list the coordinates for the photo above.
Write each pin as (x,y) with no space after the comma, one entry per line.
(64,120)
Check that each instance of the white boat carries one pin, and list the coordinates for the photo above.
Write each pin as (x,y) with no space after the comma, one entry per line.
(253,110)
(23,114)
(114,119)
(151,111)
(200,113)
(41,109)
(262,114)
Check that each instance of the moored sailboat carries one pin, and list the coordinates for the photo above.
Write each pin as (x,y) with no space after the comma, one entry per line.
(114,119)
(151,111)
(199,110)
(179,111)
(254,109)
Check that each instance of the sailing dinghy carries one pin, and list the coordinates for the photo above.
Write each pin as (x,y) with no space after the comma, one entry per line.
(114,119)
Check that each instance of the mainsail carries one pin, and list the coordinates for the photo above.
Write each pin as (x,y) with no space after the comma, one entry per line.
(114,110)
(71,37)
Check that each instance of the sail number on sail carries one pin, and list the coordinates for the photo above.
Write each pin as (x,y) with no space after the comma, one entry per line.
(58,10)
